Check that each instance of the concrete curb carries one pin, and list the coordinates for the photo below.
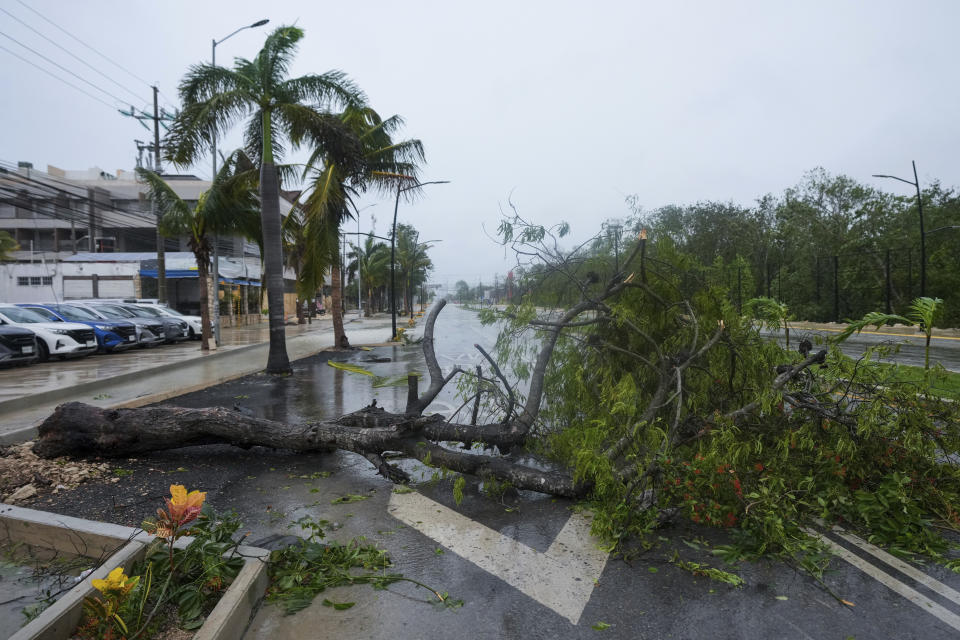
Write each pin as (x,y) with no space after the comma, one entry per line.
(24,402)
(228,619)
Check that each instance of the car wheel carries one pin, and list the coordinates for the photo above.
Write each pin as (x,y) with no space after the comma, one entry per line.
(43,353)
(193,334)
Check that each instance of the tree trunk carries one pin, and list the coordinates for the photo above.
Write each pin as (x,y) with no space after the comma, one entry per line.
(336,306)
(79,429)
(277,361)
(369,310)
(203,272)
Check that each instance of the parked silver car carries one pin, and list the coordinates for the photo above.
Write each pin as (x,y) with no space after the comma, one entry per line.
(175,329)
(150,332)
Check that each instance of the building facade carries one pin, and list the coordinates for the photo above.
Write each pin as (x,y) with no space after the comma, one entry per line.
(90,234)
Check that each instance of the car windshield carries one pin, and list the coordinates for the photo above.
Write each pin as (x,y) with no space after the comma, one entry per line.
(146,311)
(48,315)
(136,311)
(168,311)
(76,313)
(16,314)
(113,312)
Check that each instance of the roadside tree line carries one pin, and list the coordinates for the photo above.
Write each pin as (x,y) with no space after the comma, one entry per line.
(828,248)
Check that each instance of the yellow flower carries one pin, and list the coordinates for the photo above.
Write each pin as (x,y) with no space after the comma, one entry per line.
(116,582)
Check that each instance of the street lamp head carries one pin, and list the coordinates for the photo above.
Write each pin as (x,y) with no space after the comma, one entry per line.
(259,23)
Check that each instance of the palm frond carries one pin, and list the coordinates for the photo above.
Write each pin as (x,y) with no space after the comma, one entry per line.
(875,318)
(273,61)
(324,91)
(213,98)
(925,310)
(176,216)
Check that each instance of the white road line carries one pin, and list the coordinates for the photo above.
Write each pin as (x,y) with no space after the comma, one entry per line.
(900,565)
(890,582)
(561,579)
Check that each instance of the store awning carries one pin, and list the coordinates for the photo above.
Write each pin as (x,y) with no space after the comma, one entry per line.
(192,273)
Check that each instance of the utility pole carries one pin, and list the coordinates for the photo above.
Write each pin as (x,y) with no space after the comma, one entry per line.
(159,117)
(923,234)
(359,271)
(161,256)
(92,219)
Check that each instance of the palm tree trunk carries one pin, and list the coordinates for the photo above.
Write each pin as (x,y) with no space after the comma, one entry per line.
(203,271)
(277,361)
(336,302)
(369,310)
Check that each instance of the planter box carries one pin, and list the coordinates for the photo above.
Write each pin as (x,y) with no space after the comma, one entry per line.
(122,546)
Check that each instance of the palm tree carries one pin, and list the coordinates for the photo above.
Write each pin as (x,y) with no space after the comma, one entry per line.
(229,206)
(924,312)
(371,260)
(295,244)
(336,182)
(413,263)
(278,109)
(7,246)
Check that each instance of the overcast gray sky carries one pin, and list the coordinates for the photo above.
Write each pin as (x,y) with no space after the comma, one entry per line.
(569,105)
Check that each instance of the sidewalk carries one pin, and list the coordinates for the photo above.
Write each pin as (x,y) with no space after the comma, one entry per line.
(140,377)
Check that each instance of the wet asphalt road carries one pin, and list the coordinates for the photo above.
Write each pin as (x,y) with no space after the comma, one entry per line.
(647,598)
(943,350)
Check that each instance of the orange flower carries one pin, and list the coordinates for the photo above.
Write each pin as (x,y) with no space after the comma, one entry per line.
(182,506)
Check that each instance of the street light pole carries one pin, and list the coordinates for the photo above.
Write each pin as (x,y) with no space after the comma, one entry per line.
(393,246)
(359,272)
(216,232)
(923,235)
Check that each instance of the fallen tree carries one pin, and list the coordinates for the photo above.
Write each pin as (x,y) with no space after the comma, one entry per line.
(651,395)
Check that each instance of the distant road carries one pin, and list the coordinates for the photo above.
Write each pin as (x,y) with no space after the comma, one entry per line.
(943,349)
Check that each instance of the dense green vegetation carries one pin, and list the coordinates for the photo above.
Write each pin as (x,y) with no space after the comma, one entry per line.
(668,403)
(787,246)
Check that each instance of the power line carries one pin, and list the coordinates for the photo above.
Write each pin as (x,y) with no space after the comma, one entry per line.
(60,66)
(107,58)
(71,54)
(50,73)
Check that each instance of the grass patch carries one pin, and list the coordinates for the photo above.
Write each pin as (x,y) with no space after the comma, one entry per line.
(943,383)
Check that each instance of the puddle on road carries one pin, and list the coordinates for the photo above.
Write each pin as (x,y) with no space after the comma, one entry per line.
(318,391)
(315,390)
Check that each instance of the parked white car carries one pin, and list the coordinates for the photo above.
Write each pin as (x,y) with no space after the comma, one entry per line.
(60,339)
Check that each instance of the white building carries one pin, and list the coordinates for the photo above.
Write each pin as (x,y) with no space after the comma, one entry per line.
(89,233)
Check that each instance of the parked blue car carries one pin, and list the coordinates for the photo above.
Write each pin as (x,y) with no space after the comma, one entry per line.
(112,335)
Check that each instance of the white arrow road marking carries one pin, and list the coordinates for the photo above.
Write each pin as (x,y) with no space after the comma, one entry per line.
(562,578)
(890,582)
